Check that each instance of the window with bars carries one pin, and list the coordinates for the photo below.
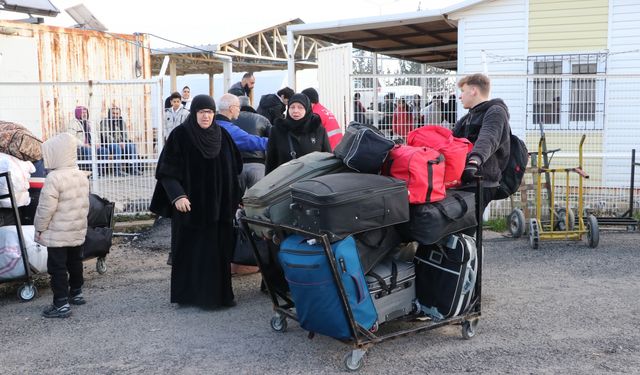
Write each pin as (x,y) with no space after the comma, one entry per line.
(565,100)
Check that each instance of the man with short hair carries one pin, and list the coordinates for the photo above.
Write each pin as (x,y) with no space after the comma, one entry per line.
(247,84)
(174,115)
(327,117)
(273,106)
(229,110)
(487,127)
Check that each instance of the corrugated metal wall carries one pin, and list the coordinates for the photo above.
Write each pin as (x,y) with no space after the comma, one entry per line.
(68,55)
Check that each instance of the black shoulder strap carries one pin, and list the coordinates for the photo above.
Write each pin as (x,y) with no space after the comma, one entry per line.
(292,151)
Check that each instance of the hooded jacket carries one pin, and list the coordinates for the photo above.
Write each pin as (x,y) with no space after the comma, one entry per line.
(61,216)
(271,107)
(487,127)
(255,124)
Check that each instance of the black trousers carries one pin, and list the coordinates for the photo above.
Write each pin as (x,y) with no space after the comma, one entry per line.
(64,264)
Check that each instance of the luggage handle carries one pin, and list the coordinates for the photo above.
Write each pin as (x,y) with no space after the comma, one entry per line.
(292,151)
(359,290)
(383,284)
(465,258)
(444,213)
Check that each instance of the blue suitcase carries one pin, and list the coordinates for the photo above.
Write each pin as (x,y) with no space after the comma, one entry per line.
(314,291)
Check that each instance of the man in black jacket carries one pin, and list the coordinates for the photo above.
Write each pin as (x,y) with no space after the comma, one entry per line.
(487,127)
(252,123)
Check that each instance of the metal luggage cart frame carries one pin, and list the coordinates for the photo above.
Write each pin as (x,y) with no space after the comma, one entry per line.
(518,218)
(550,231)
(28,290)
(361,338)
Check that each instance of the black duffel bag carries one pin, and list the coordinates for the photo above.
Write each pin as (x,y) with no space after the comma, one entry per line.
(374,245)
(431,222)
(243,251)
(363,148)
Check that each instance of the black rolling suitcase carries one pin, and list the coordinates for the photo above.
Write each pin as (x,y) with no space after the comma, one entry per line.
(99,236)
(446,276)
(345,203)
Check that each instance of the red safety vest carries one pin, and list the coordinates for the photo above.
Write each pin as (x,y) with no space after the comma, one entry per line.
(330,124)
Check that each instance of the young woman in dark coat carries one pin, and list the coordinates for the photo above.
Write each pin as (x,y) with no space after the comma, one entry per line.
(298,134)
(197,187)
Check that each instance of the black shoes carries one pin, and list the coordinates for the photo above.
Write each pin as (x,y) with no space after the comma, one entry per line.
(77,300)
(53,311)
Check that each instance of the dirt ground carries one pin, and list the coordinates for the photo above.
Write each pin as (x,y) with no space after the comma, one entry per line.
(564,308)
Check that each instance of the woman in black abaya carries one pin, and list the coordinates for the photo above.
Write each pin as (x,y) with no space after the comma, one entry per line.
(197,187)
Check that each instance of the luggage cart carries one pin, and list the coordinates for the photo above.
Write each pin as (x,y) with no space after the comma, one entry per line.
(361,338)
(28,290)
(518,218)
(626,219)
(550,231)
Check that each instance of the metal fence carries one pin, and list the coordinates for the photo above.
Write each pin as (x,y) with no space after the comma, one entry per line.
(562,106)
(115,123)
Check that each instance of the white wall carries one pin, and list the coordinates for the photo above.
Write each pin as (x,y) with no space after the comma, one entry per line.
(623,94)
(500,29)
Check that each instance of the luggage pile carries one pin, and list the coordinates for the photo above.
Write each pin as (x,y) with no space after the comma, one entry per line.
(369,198)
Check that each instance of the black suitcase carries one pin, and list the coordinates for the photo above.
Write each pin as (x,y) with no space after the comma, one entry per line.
(345,203)
(431,222)
(363,148)
(446,276)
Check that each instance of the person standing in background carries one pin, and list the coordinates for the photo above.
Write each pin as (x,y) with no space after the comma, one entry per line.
(327,117)
(186,97)
(175,115)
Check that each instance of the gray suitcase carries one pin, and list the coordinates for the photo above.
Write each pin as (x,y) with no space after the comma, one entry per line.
(393,289)
(269,199)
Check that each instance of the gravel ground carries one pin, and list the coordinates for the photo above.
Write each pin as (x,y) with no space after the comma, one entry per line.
(565,308)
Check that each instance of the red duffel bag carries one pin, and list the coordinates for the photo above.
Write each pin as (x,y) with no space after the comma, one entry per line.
(454,149)
(422,168)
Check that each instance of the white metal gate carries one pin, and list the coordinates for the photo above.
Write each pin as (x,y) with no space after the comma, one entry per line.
(334,69)
(121,160)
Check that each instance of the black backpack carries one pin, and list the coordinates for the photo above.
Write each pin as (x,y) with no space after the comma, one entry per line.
(514,171)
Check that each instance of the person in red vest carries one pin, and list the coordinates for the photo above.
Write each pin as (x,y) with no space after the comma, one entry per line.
(402,121)
(328,119)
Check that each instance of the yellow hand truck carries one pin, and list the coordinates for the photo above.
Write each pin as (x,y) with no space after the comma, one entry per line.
(550,231)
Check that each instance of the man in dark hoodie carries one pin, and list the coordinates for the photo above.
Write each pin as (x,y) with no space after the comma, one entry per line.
(487,127)
(272,106)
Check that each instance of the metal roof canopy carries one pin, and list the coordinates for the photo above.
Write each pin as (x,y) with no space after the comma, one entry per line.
(262,50)
(427,37)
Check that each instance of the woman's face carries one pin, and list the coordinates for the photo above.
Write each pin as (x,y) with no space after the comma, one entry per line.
(205,118)
(297,111)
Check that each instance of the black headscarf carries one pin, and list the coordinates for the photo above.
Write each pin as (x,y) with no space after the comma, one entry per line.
(298,126)
(207,141)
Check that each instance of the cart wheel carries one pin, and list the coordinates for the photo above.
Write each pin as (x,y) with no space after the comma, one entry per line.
(27,292)
(469,328)
(593,232)
(534,235)
(351,363)
(101,265)
(516,222)
(279,323)
(560,224)
(375,327)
